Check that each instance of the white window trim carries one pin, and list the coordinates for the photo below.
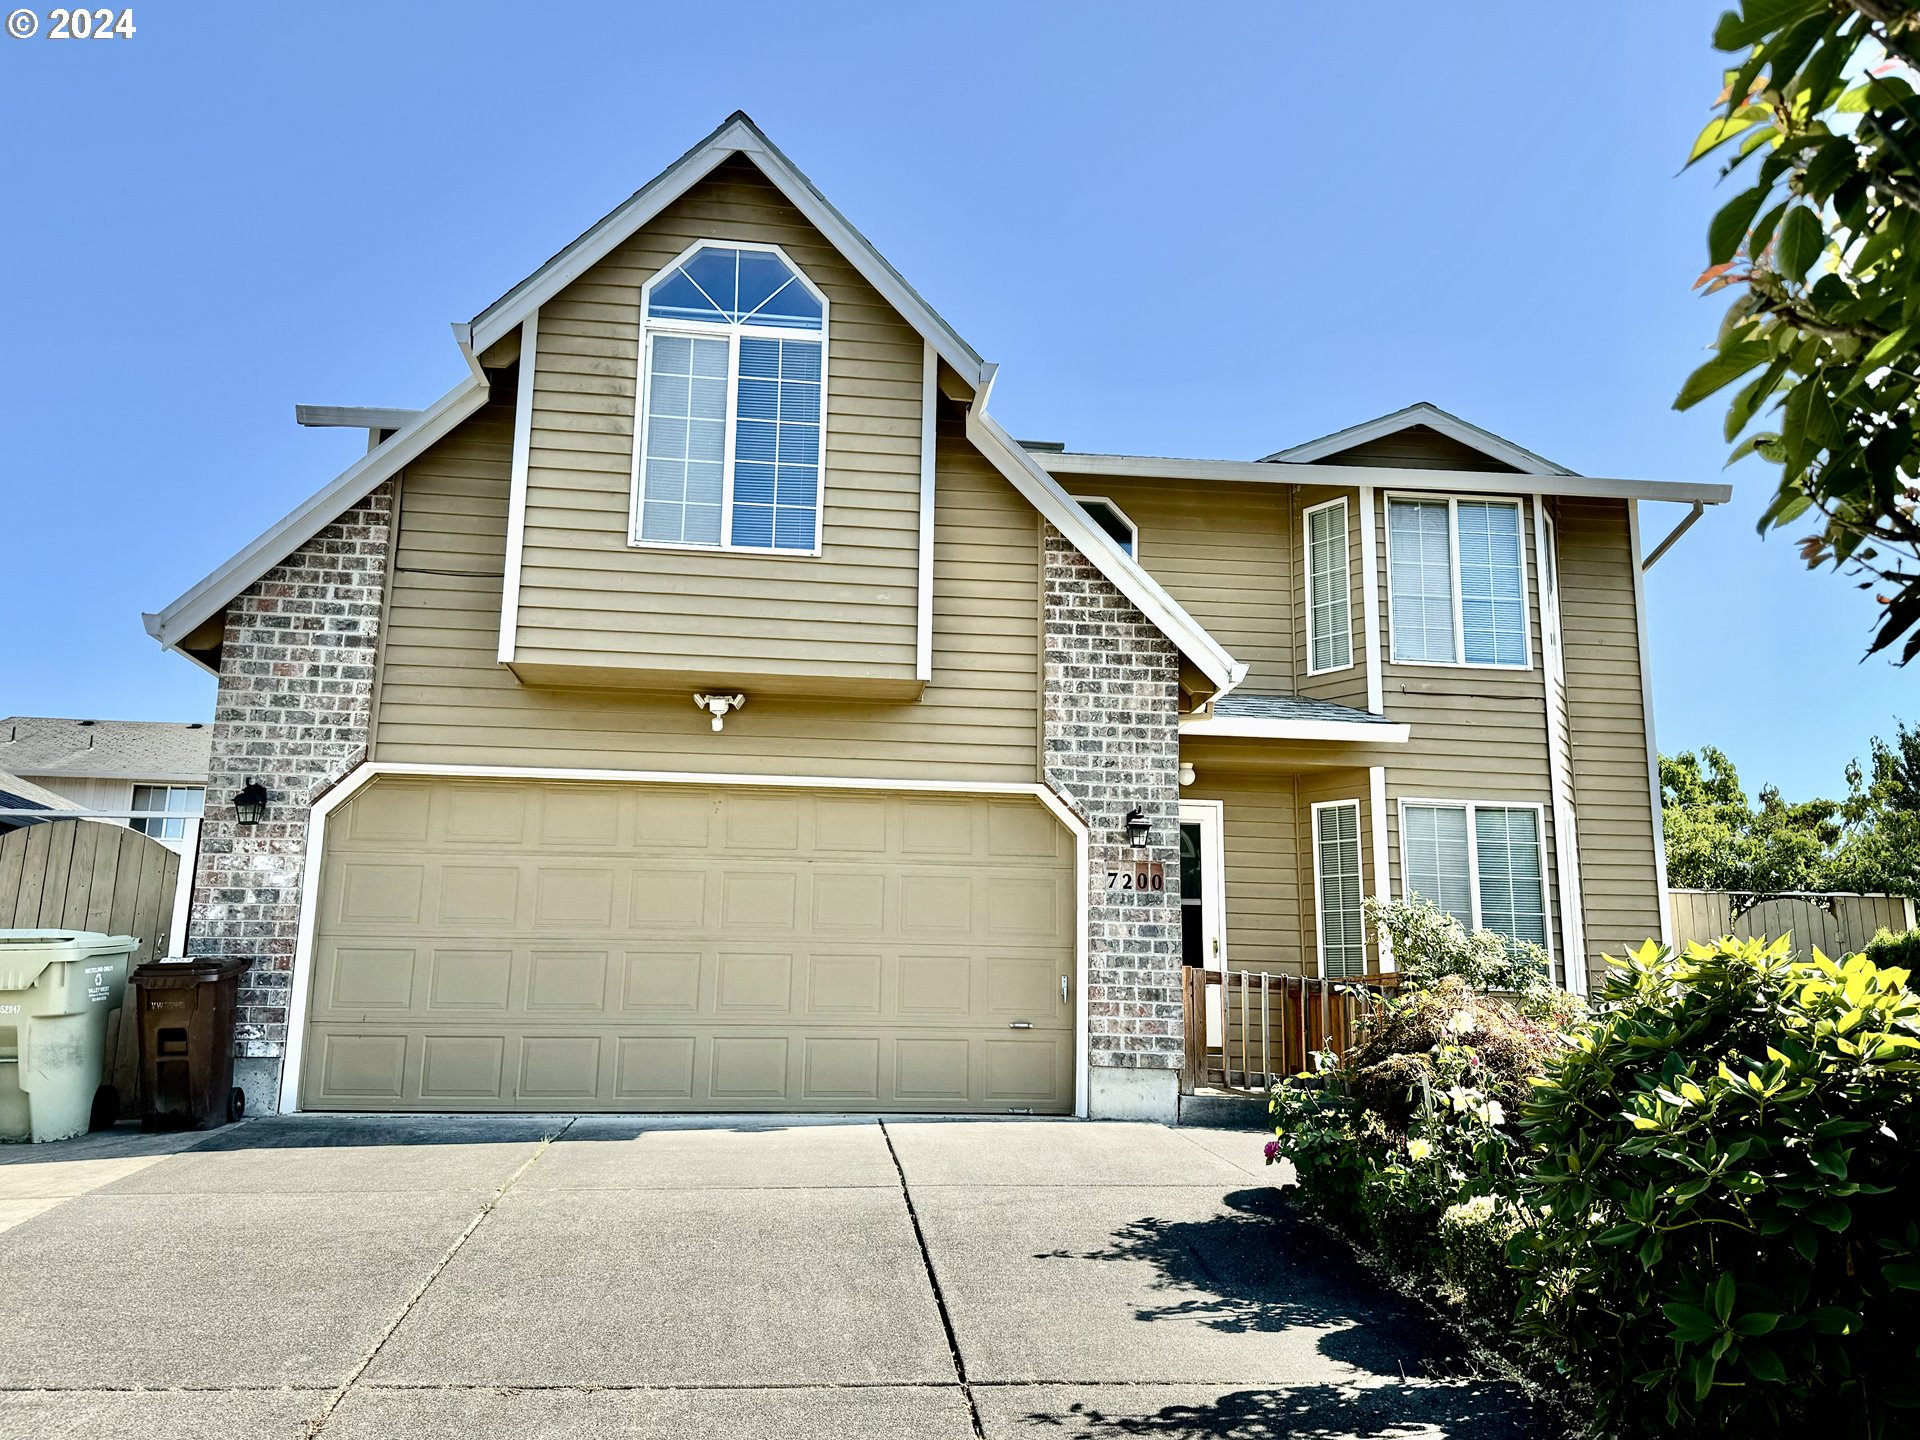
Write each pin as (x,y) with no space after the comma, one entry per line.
(732,334)
(1473,853)
(1453,552)
(1319,894)
(1346,577)
(1133,528)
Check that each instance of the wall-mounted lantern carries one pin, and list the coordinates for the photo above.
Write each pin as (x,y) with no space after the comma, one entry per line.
(1139,828)
(250,805)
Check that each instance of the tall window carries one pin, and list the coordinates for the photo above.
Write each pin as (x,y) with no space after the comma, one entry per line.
(730,443)
(1457,582)
(1480,863)
(1329,620)
(175,800)
(1336,882)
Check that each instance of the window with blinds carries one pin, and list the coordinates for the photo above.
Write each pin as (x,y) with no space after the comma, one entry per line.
(730,450)
(1456,583)
(1329,617)
(1336,875)
(1480,863)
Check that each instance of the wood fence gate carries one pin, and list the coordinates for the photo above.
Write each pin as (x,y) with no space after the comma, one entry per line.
(89,875)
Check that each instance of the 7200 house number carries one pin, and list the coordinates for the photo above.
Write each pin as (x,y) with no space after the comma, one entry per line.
(1149,876)
(89,25)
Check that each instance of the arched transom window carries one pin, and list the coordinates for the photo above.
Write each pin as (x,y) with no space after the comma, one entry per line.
(730,442)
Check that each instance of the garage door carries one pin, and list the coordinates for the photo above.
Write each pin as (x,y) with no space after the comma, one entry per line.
(513,945)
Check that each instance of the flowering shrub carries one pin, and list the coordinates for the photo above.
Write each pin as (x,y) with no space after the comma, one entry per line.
(1430,946)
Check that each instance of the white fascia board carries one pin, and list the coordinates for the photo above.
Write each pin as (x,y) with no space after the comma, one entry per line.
(1253,727)
(1434,418)
(1453,482)
(206,599)
(737,136)
(353,417)
(1043,492)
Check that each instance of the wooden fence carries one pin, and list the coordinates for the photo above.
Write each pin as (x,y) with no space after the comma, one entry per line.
(90,875)
(1837,924)
(1265,1026)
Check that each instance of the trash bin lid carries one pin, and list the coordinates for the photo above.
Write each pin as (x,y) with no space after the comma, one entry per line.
(25,953)
(182,972)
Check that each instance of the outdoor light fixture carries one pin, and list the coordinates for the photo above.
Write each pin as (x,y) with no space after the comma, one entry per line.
(1187,774)
(250,805)
(1138,828)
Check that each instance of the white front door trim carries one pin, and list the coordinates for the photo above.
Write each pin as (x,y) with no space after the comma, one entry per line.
(293,1053)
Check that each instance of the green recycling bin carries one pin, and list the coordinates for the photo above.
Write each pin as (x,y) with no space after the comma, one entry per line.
(57,988)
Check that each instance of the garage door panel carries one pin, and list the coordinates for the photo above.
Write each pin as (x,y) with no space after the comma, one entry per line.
(660,948)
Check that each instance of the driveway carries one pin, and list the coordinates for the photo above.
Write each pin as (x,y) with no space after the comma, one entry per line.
(530,1277)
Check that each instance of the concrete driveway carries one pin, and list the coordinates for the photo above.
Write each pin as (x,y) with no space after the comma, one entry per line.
(360,1278)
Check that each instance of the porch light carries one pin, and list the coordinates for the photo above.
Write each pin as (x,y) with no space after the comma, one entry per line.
(250,805)
(1139,828)
(1187,773)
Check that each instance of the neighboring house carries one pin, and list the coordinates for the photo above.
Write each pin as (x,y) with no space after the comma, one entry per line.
(149,774)
(707,705)
(24,803)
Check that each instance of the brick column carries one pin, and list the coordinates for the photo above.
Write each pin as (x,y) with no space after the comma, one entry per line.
(295,701)
(1112,686)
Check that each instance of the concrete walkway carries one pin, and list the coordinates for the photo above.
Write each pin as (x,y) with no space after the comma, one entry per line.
(362,1278)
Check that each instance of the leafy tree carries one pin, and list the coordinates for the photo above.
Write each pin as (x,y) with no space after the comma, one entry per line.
(1716,840)
(1881,848)
(1822,254)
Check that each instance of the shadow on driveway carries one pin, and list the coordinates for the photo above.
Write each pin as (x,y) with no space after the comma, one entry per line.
(1311,1412)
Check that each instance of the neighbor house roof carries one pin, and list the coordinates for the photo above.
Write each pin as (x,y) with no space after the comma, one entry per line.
(737,135)
(152,750)
(18,794)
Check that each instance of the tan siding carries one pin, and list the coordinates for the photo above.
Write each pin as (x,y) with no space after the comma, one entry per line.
(1418,447)
(444,697)
(589,597)
(1262,869)
(1226,553)
(1608,726)
(1317,788)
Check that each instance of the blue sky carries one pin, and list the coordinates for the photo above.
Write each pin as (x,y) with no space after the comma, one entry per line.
(1186,230)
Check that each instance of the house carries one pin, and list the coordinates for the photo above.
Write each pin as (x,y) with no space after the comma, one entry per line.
(24,803)
(707,705)
(147,774)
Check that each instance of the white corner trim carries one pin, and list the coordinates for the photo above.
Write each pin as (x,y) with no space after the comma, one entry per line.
(517,487)
(213,593)
(1043,492)
(1434,418)
(1382,881)
(1370,598)
(929,451)
(293,1056)
(1646,710)
(1253,727)
(736,135)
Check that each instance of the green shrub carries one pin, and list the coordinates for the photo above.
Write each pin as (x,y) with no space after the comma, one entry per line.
(1430,946)
(1723,1191)
(1887,949)
(1473,1236)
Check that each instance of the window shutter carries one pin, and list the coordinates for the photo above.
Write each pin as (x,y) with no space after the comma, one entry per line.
(1329,615)
(1336,838)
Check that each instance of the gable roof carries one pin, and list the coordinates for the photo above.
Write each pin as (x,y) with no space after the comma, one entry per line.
(106,749)
(1421,413)
(737,135)
(18,794)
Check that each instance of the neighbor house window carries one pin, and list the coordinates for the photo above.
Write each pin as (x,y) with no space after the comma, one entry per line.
(1112,519)
(1336,882)
(1483,864)
(1329,621)
(175,800)
(733,364)
(1457,582)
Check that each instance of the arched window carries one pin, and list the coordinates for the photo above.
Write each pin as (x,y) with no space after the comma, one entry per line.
(729,451)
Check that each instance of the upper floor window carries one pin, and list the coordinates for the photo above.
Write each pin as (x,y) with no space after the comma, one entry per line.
(174,800)
(1329,617)
(1457,582)
(733,364)
(1112,519)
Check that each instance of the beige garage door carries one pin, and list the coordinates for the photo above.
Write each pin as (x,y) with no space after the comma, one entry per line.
(514,945)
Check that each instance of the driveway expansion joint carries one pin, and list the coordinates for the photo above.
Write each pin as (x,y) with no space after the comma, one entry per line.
(341,1392)
(933,1280)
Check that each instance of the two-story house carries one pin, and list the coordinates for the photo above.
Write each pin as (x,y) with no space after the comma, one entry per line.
(707,705)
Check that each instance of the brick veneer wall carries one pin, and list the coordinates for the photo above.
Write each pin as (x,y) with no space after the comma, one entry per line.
(1112,742)
(296,689)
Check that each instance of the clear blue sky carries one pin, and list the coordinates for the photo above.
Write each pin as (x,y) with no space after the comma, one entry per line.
(1187,230)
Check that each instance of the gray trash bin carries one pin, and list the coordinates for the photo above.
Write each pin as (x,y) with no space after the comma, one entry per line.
(57,988)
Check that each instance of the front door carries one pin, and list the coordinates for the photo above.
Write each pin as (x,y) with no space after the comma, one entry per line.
(1203,940)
